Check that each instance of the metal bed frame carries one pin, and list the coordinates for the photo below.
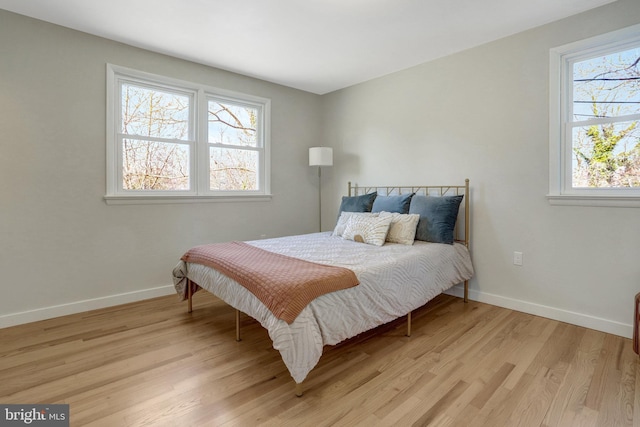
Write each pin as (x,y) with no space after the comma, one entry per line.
(461,231)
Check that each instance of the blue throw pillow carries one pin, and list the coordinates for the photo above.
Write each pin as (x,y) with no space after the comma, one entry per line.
(394,204)
(438,217)
(362,203)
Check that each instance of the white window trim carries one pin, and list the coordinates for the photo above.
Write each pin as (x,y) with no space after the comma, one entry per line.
(560,191)
(199,169)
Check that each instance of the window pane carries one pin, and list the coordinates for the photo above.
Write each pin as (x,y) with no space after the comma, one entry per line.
(232,124)
(233,169)
(155,113)
(151,165)
(606,156)
(607,86)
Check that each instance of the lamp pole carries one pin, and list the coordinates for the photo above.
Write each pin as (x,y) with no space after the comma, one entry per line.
(320,198)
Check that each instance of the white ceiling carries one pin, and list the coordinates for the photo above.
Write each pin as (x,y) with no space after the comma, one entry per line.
(314,45)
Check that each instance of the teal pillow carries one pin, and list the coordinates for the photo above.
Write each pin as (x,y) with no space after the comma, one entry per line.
(394,204)
(362,203)
(438,217)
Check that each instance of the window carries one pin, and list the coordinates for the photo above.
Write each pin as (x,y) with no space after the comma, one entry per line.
(595,121)
(179,141)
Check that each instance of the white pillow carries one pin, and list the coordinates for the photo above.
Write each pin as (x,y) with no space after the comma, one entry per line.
(402,228)
(367,229)
(344,218)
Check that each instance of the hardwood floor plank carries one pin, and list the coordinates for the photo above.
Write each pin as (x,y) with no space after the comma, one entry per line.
(570,400)
(616,380)
(492,385)
(526,352)
(503,403)
(404,389)
(438,409)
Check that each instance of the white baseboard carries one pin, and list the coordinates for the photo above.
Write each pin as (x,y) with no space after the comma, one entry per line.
(579,319)
(84,305)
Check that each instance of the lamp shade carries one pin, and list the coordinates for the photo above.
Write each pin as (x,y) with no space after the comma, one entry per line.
(320,156)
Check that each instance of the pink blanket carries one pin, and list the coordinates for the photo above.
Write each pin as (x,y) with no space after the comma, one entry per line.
(284,284)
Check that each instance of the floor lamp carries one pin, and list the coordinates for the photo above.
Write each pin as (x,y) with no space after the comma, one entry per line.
(320,156)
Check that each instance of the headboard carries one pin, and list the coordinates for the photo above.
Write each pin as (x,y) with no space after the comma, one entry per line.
(461,231)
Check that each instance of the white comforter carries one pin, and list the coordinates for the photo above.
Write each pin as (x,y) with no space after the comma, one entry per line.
(394,280)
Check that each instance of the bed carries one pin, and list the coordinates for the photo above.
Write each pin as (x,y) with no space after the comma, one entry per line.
(394,278)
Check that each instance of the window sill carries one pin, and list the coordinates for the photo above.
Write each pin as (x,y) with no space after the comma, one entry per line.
(158,199)
(586,200)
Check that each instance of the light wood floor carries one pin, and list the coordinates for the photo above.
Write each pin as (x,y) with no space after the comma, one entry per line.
(151,363)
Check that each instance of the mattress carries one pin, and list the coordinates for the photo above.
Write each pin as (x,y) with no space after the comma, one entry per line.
(394,280)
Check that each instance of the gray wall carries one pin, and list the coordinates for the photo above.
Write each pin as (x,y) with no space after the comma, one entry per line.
(483,114)
(62,249)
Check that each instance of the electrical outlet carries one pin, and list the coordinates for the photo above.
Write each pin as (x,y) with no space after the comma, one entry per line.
(517,258)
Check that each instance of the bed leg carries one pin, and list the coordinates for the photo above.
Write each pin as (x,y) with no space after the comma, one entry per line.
(189,296)
(299,389)
(409,324)
(238,326)
(466,291)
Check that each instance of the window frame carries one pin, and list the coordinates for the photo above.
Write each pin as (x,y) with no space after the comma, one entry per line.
(561,59)
(198,141)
